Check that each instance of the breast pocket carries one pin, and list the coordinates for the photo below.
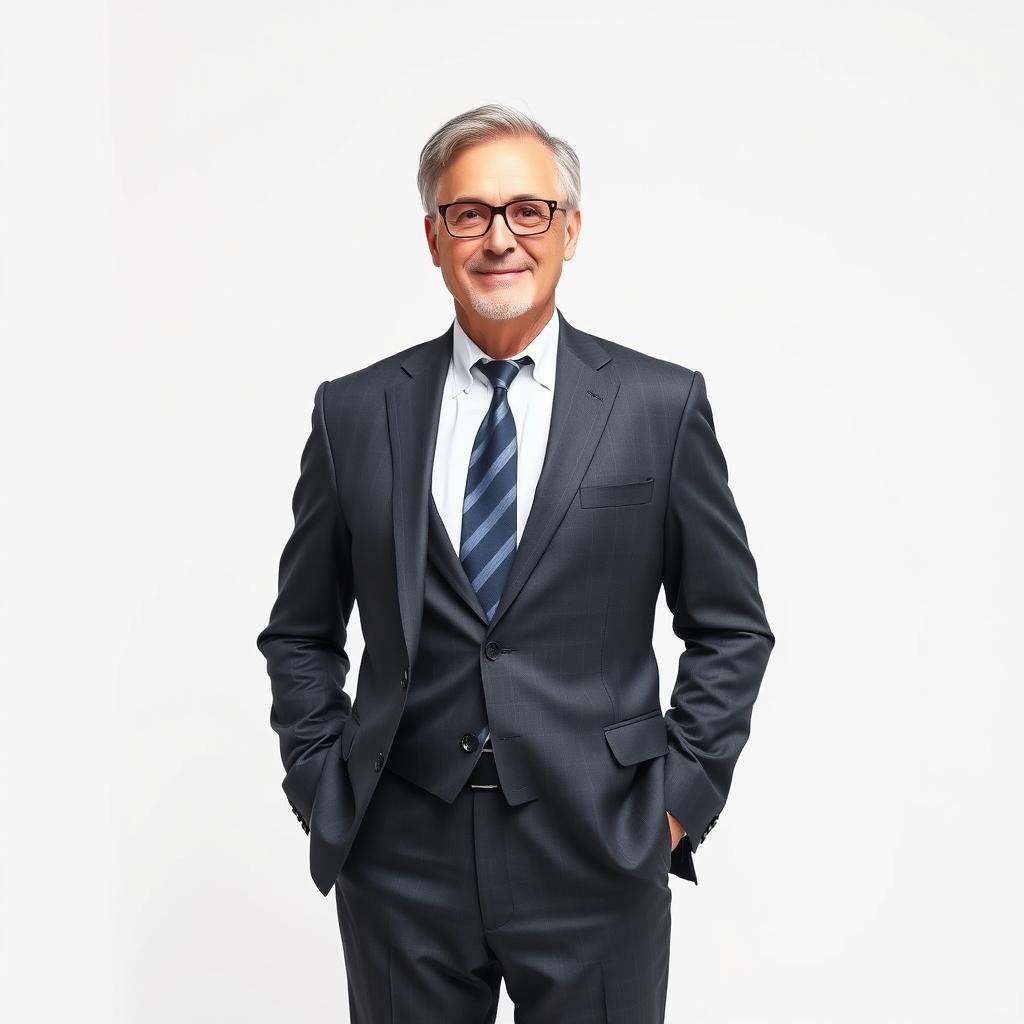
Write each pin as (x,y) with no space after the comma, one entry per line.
(633,492)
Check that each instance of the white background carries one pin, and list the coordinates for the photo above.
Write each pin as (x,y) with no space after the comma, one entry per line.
(208,207)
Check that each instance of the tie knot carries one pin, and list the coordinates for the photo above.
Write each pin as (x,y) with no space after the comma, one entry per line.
(501,372)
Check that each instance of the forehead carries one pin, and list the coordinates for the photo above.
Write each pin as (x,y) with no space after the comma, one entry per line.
(497,170)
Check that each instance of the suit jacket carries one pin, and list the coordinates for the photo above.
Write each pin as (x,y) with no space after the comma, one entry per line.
(633,498)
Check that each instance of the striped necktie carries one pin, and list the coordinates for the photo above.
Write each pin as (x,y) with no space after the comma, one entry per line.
(488,543)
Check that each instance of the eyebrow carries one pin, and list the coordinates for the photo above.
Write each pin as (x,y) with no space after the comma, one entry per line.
(513,199)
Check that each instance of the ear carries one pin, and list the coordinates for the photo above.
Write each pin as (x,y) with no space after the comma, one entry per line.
(431,229)
(572,232)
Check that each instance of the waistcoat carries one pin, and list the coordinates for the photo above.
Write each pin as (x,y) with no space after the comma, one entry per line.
(446,696)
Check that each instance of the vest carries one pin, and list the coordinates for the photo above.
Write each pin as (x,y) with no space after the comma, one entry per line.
(446,695)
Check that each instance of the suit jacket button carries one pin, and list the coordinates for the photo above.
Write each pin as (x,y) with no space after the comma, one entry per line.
(469,742)
(492,650)
(379,761)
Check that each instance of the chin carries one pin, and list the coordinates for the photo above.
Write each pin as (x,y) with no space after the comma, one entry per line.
(500,307)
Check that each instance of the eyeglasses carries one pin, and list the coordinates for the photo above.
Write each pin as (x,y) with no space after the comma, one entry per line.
(523,217)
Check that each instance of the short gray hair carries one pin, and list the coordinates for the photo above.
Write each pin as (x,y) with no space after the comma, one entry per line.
(482,124)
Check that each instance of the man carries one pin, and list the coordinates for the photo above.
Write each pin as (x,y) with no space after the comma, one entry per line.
(506,798)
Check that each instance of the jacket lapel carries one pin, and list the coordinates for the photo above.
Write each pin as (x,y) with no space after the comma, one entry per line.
(451,565)
(414,406)
(580,409)
(581,405)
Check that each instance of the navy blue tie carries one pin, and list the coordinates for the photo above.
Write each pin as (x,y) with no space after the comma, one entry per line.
(488,543)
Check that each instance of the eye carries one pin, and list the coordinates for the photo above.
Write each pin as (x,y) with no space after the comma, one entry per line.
(530,215)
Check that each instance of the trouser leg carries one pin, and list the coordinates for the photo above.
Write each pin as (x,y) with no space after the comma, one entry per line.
(414,946)
(565,897)
(586,938)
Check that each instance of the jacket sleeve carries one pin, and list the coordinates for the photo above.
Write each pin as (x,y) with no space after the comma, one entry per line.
(304,641)
(710,582)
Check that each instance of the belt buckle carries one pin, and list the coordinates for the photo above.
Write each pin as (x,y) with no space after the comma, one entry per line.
(485,785)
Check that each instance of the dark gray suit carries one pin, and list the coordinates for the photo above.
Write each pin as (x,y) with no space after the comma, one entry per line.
(515,882)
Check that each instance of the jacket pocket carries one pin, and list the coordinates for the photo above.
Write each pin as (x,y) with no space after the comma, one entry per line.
(348,734)
(639,738)
(604,495)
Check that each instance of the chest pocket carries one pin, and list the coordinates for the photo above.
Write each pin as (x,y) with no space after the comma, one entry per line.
(637,492)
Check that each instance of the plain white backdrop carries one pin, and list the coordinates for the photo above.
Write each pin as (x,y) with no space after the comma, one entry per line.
(208,206)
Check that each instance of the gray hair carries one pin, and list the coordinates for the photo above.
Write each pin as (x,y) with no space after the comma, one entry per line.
(482,124)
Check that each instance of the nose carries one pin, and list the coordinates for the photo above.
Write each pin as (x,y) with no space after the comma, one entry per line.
(499,238)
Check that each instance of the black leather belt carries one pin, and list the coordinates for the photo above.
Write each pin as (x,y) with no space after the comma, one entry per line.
(485,773)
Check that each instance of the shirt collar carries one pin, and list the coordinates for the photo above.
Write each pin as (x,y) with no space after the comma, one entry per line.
(542,350)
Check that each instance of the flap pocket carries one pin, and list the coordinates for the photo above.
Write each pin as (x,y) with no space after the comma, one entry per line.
(348,734)
(638,739)
(603,495)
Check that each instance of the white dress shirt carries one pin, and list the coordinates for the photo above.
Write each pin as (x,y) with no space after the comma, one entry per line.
(467,397)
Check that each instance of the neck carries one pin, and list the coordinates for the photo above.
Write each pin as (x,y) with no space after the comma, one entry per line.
(502,339)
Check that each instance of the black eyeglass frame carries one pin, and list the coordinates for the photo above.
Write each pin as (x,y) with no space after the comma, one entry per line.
(552,205)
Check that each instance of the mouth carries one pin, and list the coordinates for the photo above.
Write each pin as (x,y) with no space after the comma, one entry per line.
(500,273)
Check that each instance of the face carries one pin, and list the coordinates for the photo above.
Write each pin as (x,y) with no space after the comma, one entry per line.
(494,172)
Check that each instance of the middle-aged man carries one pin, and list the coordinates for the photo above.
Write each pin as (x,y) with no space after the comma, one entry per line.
(505,798)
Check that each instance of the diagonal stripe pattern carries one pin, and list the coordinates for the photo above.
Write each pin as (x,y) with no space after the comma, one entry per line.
(488,543)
